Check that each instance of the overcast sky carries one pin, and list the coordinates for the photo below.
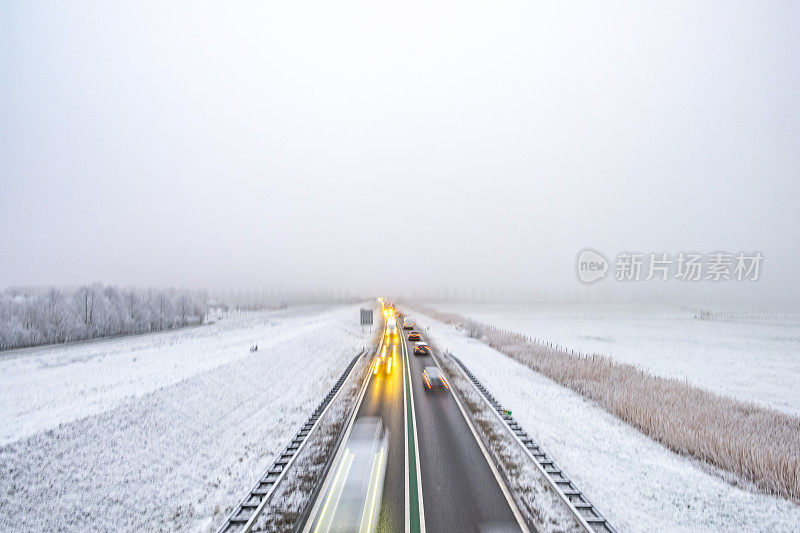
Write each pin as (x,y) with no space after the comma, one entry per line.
(387,147)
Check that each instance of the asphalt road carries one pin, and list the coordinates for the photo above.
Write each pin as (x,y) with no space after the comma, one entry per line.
(460,493)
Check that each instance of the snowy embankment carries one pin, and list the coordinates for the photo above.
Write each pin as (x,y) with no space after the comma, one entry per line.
(638,484)
(746,354)
(163,431)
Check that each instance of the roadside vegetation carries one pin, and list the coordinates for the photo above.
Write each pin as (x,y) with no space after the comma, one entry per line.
(757,444)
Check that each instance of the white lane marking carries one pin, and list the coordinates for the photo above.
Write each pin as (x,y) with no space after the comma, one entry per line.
(325,518)
(514,509)
(337,458)
(405,447)
(416,444)
(369,517)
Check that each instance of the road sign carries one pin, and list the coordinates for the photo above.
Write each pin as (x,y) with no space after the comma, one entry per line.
(366,317)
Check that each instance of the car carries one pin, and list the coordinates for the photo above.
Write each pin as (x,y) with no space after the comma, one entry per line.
(433,379)
(386,358)
(414,336)
(359,486)
(421,348)
(391,327)
(408,323)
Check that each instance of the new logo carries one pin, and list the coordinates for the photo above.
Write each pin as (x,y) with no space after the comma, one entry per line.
(592,266)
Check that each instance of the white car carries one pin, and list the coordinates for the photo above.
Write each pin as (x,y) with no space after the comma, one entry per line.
(358,483)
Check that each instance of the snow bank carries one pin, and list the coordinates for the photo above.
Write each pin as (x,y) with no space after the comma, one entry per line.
(166,431)
(747,354)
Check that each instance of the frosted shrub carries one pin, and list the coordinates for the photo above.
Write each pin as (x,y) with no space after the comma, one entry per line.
(474,329)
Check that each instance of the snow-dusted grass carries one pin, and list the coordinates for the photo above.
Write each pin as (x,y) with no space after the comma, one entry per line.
(748,354)
(165,431)
(638,484)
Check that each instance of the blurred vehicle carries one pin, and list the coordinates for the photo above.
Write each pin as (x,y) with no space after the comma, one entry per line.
(357,488)
(421,348)
(391,326)
(433,379)
(408,323)
(414,336)
(384,361)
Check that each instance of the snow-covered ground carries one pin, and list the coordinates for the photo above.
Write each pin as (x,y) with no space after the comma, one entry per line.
(751,355)
(636,483)
(162,431)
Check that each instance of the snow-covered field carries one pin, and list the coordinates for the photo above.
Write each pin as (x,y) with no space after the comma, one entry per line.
(636,483)
(751,355)
(161,431)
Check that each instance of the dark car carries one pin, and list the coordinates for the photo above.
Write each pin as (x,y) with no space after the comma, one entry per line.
(414,336)
(420,348)
(432,379)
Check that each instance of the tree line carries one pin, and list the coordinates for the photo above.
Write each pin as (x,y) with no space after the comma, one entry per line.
(33,317)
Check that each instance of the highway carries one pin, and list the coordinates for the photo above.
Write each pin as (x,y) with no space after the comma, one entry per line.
(437,477)
(459,488)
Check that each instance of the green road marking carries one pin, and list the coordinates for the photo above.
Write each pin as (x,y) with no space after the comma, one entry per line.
(412,457)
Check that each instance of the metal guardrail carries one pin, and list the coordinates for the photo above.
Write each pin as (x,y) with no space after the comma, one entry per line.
(578,503)
(247,511)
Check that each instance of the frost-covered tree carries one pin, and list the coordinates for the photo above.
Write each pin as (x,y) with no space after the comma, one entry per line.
(33,317)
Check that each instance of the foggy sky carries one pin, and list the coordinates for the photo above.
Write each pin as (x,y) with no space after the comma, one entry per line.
(393,147)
